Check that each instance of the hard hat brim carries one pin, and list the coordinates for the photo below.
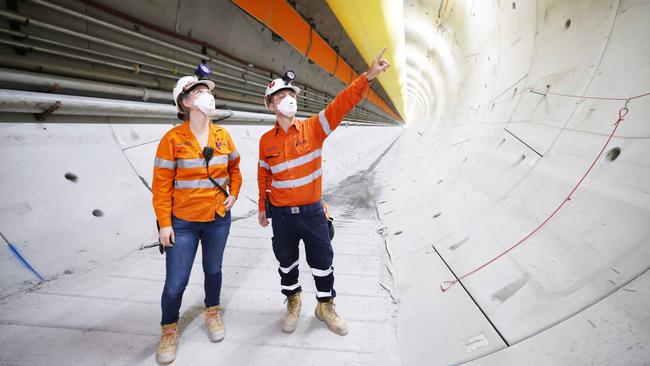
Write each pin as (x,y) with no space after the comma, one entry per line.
(291,87)
(209,83)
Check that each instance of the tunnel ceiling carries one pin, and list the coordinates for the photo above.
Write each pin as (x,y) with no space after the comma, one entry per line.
(219,29)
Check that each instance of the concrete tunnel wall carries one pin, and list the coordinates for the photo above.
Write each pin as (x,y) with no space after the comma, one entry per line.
(454,191)
(488,160)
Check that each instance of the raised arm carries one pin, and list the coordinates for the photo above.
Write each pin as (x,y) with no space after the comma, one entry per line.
(330,118)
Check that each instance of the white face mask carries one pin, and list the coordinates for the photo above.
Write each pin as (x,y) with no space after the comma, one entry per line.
(205,102)
(288,106)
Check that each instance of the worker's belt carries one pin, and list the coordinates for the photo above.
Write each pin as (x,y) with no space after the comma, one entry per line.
(298,209)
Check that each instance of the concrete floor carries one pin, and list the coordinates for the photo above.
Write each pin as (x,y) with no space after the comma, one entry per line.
(109,314)
(105,307)
(497,140)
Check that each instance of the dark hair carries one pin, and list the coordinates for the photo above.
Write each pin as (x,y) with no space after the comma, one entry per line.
(181,114)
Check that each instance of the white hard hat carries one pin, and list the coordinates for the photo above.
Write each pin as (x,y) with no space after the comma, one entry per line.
(277,85)
(186,83)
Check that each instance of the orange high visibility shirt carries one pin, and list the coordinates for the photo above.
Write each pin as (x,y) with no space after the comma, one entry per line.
(290,163)
(180,182)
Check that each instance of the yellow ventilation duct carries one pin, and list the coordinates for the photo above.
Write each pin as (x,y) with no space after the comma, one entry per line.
(373,25)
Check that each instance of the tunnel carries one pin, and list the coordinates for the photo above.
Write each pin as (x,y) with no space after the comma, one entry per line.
(487,193)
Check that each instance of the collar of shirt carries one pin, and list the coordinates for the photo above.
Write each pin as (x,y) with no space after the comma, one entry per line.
(185,129)
(187,132)
(295,123)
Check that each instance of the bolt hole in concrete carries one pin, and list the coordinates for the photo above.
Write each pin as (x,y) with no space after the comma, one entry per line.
(567,24)
(397,232)
(514,6)
(98,213)
(437,215)
(613,153)
(71,177)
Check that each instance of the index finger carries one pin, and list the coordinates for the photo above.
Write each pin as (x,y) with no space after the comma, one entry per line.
(379,56)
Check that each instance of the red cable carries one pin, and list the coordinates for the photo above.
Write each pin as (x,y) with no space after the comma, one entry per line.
(445,285)
(588,97)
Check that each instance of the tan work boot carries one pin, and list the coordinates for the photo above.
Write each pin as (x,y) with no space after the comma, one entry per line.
(325,312)
(167,348)
(214,323)
(290,320)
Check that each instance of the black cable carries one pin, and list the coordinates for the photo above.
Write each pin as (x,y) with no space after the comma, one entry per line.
(208,153)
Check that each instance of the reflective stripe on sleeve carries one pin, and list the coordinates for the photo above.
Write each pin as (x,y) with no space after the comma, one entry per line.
(164,164)
(233,155)
(324,123)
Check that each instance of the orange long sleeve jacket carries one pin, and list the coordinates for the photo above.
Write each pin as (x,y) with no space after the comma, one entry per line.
(180,182)
(290,163)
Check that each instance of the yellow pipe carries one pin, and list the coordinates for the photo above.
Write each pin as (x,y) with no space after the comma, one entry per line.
(373,25)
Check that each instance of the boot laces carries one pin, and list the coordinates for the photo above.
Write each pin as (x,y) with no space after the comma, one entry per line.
(168,338)
(292,303)
(331,311)
(213,316)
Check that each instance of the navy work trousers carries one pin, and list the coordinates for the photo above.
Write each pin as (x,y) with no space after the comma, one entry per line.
(290,225)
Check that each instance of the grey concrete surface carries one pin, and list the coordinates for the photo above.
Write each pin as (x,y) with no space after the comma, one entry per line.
(504,121)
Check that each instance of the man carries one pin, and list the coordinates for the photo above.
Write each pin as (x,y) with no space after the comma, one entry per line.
(289,174)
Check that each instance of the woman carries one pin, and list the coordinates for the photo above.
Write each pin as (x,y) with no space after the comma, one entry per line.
(190,206)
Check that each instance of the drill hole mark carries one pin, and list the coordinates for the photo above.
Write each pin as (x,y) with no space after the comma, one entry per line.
(71,177)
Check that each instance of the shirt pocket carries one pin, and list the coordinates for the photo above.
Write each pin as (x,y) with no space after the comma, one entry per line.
(223,149)
(301,145)
(274,159)
(184,152)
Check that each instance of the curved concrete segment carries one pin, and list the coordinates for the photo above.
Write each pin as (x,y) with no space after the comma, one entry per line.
(491,161)
(498,181)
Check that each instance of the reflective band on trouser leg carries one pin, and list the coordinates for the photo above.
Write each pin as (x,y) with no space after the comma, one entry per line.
(288,269)
(324,280)
(322,272)
(319,252)
(285,248)
(289,279)
(291,287)
(323,294)
(319,273)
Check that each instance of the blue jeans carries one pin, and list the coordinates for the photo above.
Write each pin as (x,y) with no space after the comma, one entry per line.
(180,257)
